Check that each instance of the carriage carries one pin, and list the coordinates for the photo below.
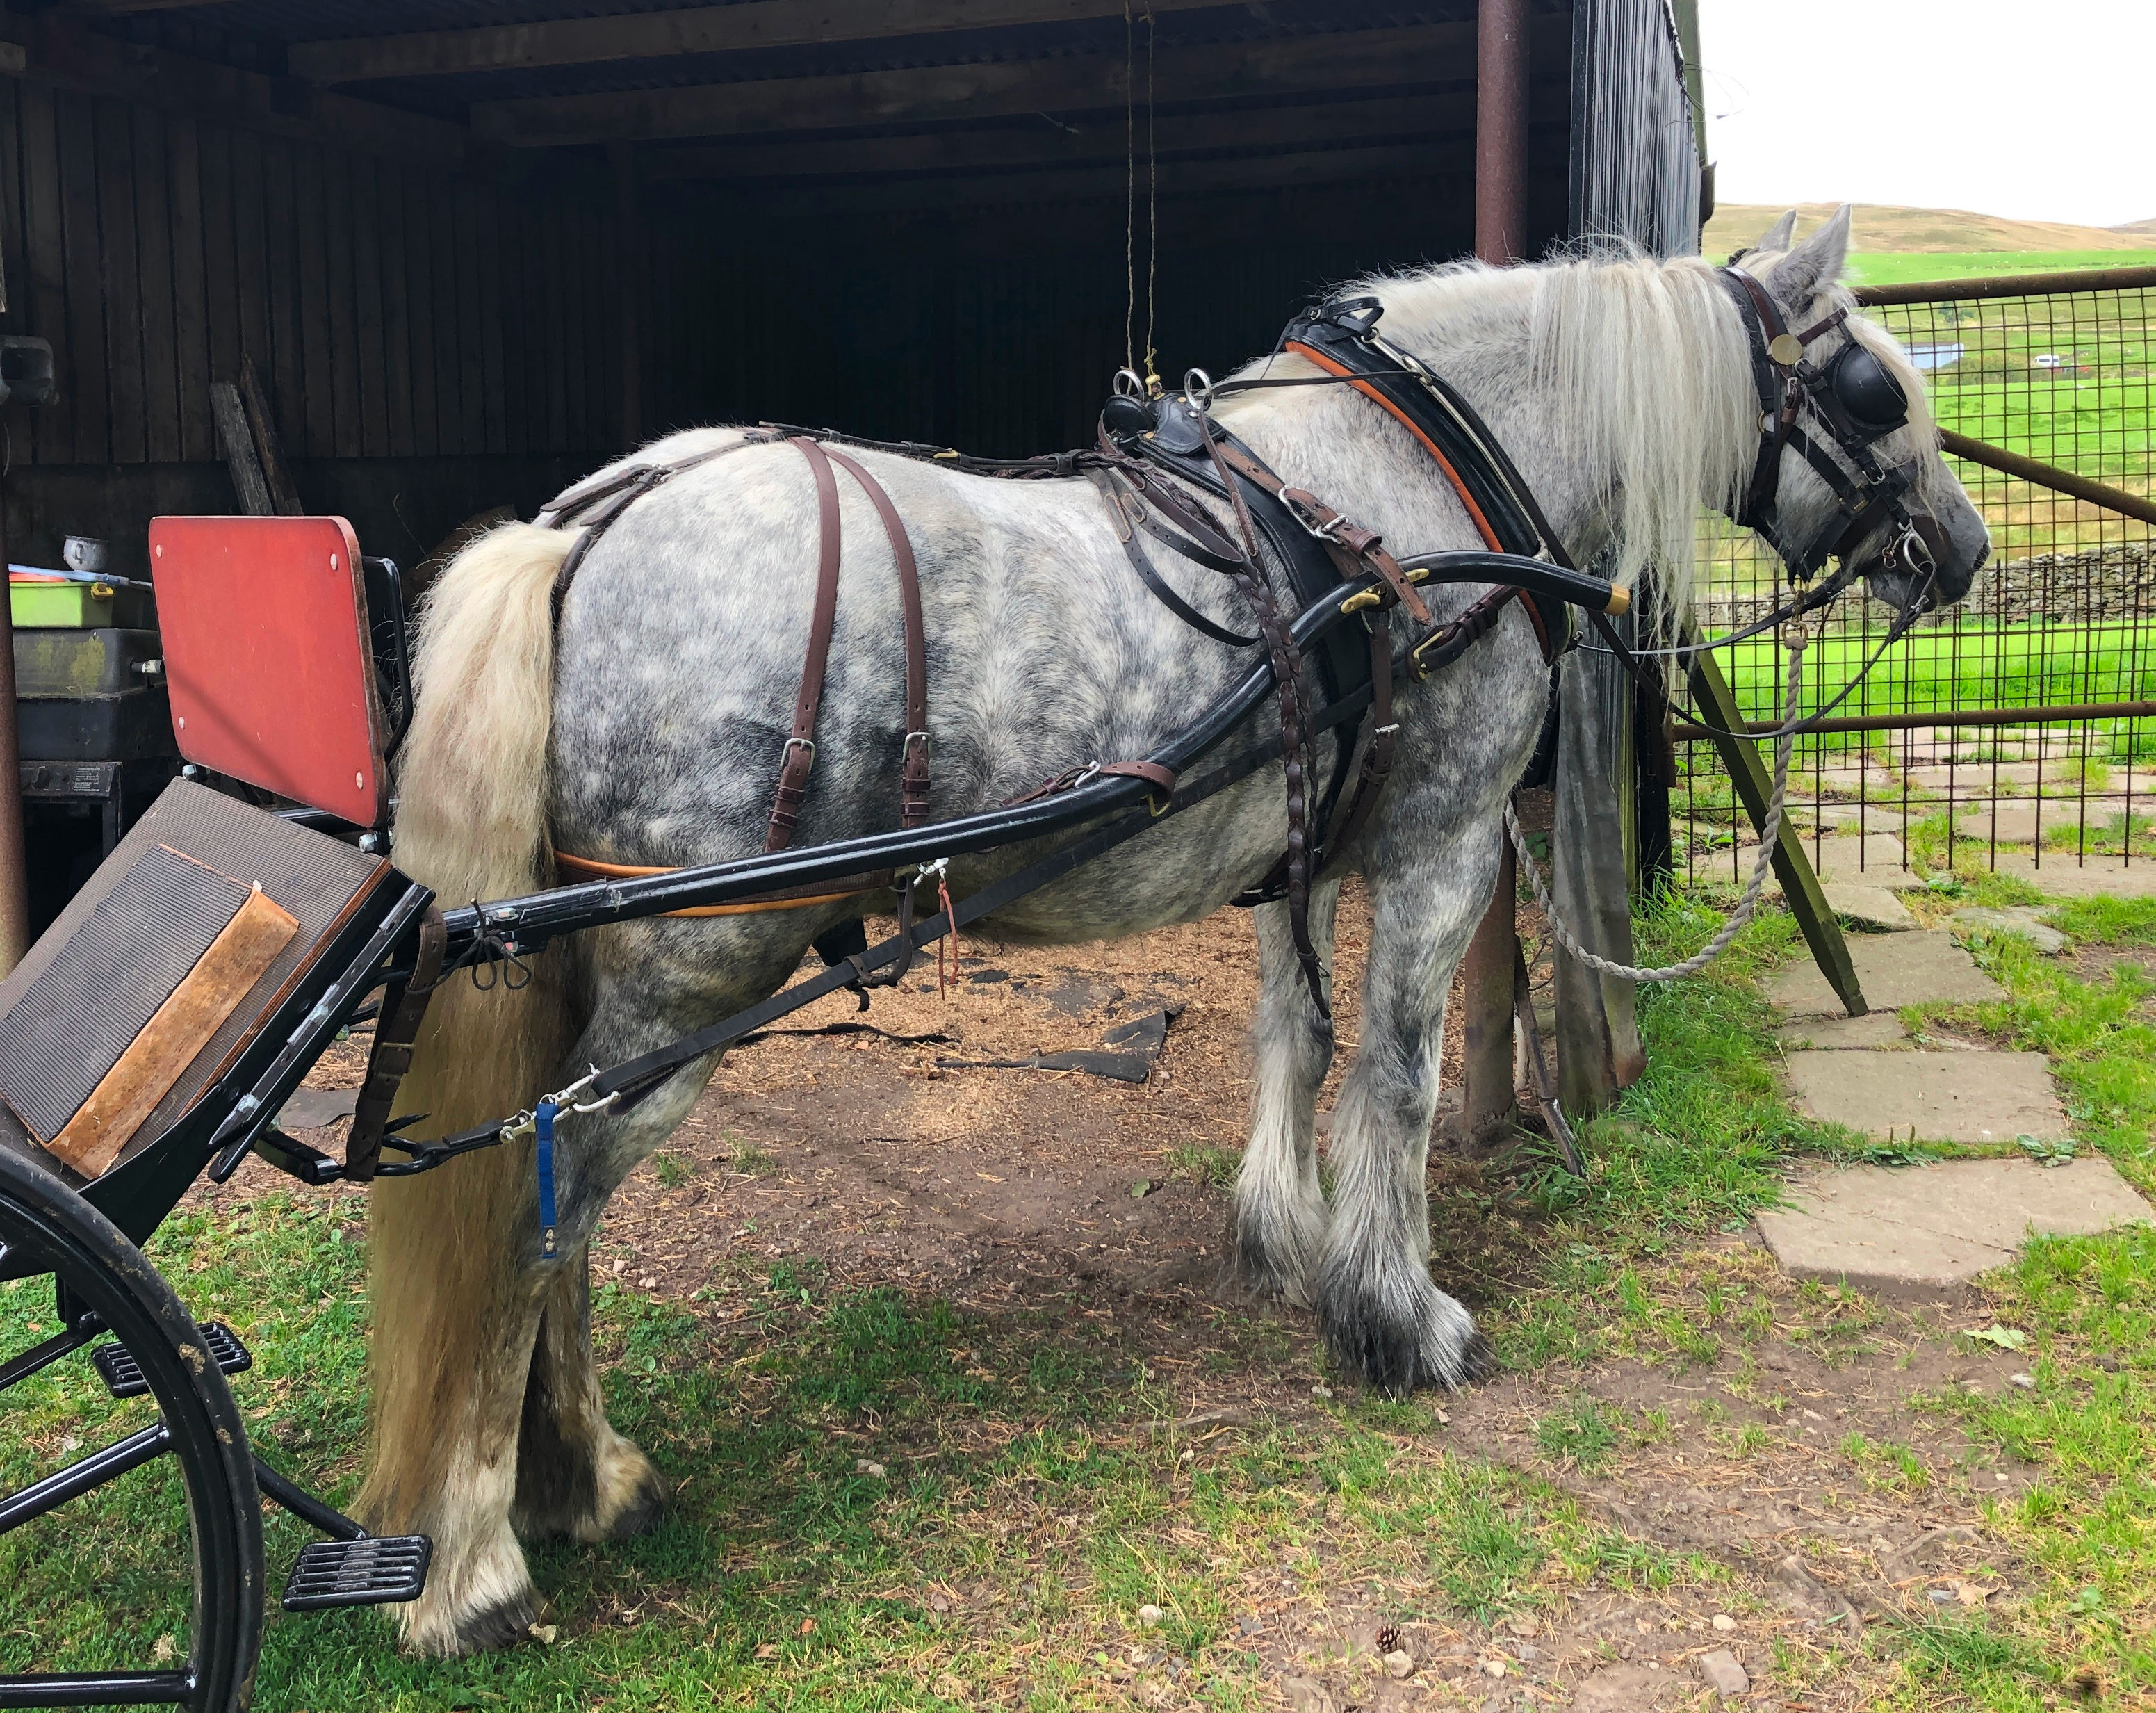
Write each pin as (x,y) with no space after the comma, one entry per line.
(257,912)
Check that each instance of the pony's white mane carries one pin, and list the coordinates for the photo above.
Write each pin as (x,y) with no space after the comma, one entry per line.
(1642,379)
(1646,380)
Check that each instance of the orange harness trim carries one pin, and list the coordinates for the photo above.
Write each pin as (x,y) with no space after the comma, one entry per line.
(801,900)
(1333,366)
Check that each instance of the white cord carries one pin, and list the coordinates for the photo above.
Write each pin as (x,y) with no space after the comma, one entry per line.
(1795,637)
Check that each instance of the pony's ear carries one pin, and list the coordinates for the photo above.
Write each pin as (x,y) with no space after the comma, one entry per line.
(1816,263)
(1779,235)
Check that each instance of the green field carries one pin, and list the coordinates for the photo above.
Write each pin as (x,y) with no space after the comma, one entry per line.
(1968,667)
(1876,268)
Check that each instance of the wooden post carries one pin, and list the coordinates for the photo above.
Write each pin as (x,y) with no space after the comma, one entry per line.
(1489,1103)
(1750,773)
(629,219)
(1592,846)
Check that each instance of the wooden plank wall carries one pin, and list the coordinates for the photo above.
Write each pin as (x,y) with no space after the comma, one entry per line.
(392,312)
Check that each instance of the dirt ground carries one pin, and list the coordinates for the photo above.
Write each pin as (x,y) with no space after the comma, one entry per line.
(1014,1189)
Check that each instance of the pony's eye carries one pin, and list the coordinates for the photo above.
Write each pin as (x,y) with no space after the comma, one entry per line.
(1868,390)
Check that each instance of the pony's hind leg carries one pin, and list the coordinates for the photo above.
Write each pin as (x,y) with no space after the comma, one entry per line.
(575,1475)
(1383,1318)
(1276,1231)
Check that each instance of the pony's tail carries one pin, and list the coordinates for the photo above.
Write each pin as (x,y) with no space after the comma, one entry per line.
(471,823)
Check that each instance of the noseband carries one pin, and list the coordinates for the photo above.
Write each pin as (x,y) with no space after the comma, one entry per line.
(1856,400)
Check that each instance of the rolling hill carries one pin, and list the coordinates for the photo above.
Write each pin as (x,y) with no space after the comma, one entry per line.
(1889,230)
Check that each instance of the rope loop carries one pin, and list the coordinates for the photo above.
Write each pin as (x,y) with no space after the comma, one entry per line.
(1795,637)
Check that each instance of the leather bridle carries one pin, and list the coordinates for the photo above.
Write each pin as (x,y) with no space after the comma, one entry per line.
(1852,403)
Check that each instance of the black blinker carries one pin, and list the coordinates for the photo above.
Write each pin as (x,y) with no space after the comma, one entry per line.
(1867,389)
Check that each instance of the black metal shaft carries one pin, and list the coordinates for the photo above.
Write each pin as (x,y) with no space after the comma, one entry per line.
(92,1688)
(532,921)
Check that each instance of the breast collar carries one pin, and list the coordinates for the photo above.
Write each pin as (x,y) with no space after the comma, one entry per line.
(1791,387)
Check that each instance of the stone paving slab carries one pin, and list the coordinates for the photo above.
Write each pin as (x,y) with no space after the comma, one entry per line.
(1876,1029)
(1936,1097)
(1894,969)
(2061,878)
(2020,919)
(1921,1230)
(1868,907)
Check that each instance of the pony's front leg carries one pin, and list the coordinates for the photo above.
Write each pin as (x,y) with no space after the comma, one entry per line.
(1383,1318)
(1276,1230)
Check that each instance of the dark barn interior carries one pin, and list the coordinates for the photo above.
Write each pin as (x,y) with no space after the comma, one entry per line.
(473,247)
(457,252)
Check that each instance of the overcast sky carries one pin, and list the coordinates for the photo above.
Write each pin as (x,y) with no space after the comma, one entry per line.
(2041,111)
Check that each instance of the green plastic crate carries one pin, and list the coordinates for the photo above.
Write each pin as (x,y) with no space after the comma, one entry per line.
(59,606)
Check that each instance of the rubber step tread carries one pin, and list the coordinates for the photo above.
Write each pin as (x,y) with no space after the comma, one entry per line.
(123,1373)
(373,1570)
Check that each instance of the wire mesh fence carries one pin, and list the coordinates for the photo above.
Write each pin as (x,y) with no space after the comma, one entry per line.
(2017,730)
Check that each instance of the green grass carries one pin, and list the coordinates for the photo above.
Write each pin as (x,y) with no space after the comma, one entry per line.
(1035,1486)
(1029,1487)
(1872,268)
(2101,1035)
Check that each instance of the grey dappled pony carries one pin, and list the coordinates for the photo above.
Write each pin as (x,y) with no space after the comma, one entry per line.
(648,730)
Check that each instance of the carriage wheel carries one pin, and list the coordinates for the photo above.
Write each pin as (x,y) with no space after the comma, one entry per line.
(46,1228)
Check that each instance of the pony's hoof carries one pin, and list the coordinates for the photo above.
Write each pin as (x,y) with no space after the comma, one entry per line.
(1271,1268)
(1433,1344)
(434,1632)
(640,1512)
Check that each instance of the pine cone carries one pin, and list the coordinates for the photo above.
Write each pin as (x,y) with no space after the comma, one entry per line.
(1388,1639)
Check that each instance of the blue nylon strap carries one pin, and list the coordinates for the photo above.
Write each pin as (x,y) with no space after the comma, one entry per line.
(544,1118)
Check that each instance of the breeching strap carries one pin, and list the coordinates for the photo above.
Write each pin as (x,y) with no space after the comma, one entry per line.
(799,755)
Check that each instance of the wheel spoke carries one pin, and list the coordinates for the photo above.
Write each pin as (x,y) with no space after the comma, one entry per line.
(77,1478)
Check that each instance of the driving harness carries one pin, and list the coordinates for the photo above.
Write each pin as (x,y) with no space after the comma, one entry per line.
(1152,455)
(1160,467)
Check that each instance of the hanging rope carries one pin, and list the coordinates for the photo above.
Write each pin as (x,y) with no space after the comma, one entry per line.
(1130,191)
(1796,636)
(1152,205)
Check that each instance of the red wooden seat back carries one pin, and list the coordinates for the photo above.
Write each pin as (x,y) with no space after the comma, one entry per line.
(266,639)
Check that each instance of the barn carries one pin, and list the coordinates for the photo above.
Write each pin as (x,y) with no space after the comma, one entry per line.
(419,261)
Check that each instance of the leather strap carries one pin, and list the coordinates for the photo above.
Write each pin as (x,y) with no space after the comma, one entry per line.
(913,765)
(1377,755)
(1361,547)
(591,505)
(1151,772)
(798,756)
(1107,483)
(396,1029)
(1294,699)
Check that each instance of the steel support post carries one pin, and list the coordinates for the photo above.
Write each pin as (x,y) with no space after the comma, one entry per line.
(1489,1103)
(15,873)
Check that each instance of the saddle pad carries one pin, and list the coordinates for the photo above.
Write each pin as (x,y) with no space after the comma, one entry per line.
(122,970)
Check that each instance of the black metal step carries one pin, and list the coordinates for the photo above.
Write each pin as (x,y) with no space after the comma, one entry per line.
(123,1373)
(372,1571)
